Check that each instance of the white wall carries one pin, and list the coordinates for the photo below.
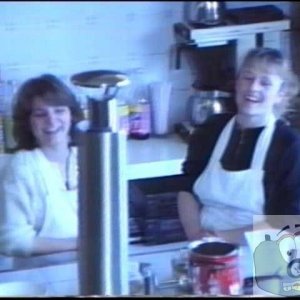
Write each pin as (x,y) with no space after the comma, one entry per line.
(69,37)
(65,37)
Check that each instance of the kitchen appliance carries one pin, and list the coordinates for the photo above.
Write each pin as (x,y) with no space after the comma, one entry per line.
(201,105)
(237,26)
(210,12)
(103,203)
(206,13)
(202,14)
(205,103)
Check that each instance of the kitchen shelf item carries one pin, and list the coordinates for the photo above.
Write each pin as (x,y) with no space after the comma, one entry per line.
(205,103)
(209,13)
(237,25)
(107,80)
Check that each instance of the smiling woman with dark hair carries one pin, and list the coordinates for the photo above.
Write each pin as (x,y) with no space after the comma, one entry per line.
(54,92)
(38,207)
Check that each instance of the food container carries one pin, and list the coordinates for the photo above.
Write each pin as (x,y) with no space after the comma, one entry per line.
(214,268)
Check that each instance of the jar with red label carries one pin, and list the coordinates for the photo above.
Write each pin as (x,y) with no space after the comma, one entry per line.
(215,268)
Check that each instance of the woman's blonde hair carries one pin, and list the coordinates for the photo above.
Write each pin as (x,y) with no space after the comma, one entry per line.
(267,58)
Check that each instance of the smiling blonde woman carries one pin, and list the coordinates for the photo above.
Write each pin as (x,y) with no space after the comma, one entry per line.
(248,164)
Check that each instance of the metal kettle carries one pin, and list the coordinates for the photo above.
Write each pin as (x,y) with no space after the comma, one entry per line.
(209,12)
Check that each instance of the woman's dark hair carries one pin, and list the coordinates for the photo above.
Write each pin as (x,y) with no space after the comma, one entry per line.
(52,91)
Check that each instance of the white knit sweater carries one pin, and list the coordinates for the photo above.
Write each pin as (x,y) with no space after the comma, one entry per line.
(27,180)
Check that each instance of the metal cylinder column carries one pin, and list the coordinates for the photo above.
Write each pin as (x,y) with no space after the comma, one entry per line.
(103,204)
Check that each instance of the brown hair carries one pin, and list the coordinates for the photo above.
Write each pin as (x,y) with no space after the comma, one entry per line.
(273,58)
(52,91)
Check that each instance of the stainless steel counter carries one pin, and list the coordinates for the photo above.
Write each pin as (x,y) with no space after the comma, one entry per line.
(62,279)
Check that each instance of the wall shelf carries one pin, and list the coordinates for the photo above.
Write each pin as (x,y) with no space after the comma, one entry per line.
(245,35)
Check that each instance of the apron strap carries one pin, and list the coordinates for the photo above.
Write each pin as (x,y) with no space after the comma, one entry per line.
(222,142)
(262,145)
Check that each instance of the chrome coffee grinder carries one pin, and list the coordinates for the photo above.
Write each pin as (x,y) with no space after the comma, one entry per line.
(103,199)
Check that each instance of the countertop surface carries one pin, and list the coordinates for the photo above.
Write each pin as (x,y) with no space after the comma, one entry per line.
(71,256)
(63,279)
(155,157)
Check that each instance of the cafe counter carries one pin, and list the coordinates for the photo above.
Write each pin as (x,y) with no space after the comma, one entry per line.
(62,280)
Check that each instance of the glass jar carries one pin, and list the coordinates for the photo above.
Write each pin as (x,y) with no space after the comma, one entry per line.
(136,280)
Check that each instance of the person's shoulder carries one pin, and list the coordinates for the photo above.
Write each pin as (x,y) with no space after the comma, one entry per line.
(23,154)
(18,164)
(286,134)
(22,158)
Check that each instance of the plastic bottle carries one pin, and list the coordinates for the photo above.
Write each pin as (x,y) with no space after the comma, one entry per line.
(139,111)
(139,120)
(123,114)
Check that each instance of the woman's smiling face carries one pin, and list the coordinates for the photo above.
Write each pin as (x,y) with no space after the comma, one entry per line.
(50,124)
(258,89)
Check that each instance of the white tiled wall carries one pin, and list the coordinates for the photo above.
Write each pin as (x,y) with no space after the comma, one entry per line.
(68,37)
(65,37)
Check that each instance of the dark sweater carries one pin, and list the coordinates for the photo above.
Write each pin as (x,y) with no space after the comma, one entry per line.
(282,164)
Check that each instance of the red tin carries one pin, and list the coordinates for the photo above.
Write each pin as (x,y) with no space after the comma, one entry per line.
(215,268)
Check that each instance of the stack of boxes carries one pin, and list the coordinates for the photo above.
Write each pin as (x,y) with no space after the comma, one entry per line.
(161,223)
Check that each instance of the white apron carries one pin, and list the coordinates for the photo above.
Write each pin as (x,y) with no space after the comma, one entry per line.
(60,219)
(230,199)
